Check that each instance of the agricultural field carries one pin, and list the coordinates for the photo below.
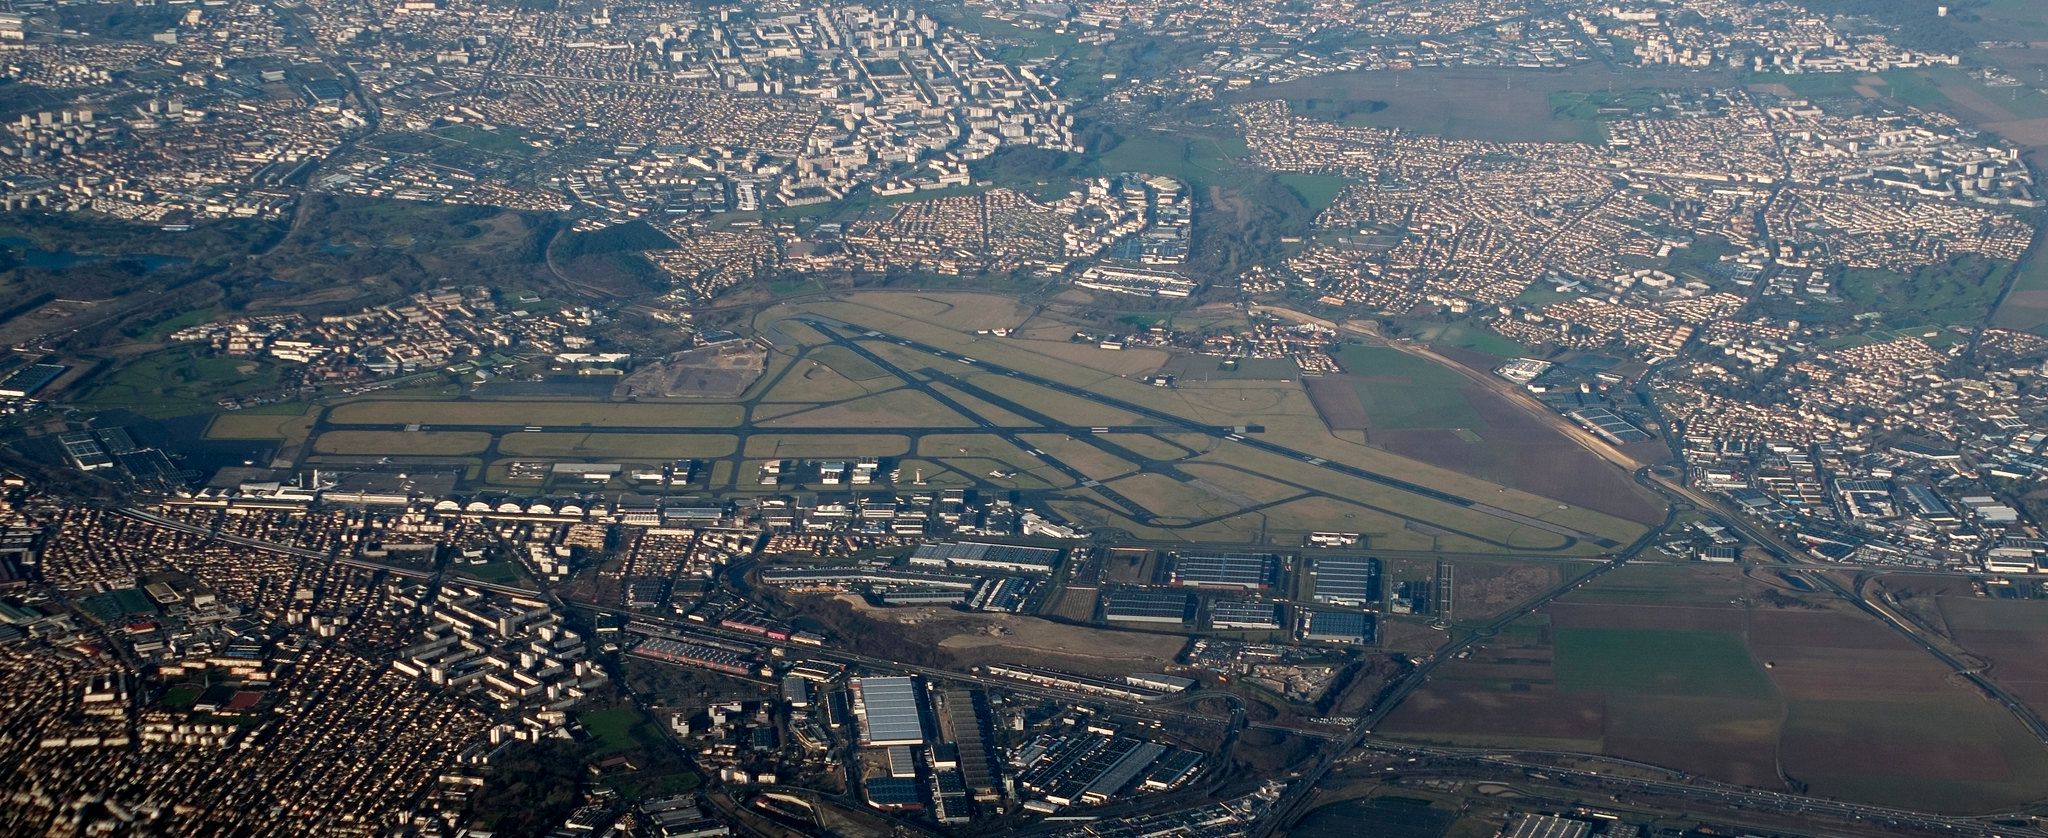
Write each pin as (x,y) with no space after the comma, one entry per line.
(1999,626)
(2011,634)
(1747,680)
(2025,306)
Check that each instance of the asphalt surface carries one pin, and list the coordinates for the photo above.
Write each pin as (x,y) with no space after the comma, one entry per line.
(832,330)
(1232,434)
(852,338)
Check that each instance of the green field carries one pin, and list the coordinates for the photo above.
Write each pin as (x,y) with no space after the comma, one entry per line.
(1961,290)
(1402,391)
(503,572)
(291,428)
(1476,337)
(1583,105)
(1317,191)
(502,141)
(1696,663)
(1200,161)
(620,729)
(1491,104)
(179,698)
(178,382)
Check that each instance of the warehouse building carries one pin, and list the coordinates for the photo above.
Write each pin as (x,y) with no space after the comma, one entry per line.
(1337,627)
(1245,614)
(901,762)
(894,793)
(1163,607)
(1122,773)
(891,711)
(796,691)
(1347,580)
(692,654)
(26,381)
(1546,826)
(84,450)
(841,578)
(922,597)
(967,724)
(1240,571)
(986,556)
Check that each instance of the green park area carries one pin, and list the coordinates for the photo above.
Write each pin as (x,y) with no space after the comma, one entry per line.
(177,382)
